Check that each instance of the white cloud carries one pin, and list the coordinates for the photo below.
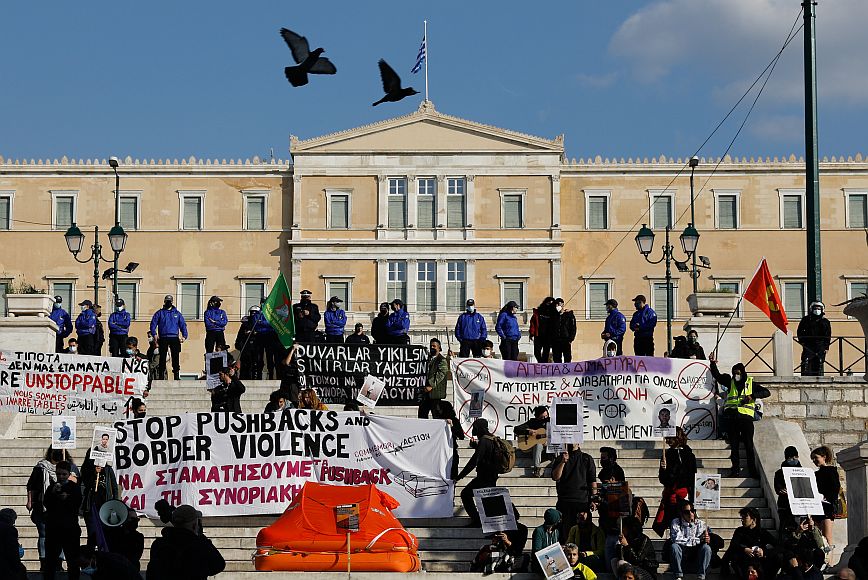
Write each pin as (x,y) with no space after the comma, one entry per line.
(786,129)
(730,41)
(603,81)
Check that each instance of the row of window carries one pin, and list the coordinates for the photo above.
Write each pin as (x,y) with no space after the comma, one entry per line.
(597,208)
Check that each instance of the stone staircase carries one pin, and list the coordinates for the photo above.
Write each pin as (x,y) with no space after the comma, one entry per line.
(444,544)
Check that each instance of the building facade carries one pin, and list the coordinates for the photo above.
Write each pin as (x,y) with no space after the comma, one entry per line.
(432,209)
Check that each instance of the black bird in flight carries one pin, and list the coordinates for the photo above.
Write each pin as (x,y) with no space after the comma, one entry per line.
(308,62)
(392,85)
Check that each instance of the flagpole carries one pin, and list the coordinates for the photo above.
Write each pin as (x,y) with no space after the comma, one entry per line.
(425,35)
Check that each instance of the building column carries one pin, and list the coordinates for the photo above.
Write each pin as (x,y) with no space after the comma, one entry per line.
(412,278)
(412,208)
(556,207)
(556,265)
(469,206)
(470,278)
(382,205)
(440,221)
(295,231)
(296,276)
(382,278)
(442,278)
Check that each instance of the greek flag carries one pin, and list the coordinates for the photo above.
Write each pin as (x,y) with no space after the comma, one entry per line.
(423,53)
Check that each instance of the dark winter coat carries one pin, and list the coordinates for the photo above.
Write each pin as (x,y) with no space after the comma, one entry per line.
(179,554)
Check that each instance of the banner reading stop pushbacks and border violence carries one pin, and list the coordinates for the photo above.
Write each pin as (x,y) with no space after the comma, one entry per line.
(619,394)
(236,464)
(338,371)
(47,383)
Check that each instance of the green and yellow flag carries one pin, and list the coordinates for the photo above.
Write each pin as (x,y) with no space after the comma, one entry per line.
(277,310)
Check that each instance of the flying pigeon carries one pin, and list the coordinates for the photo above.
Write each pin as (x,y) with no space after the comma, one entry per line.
(308,62)
(392,85)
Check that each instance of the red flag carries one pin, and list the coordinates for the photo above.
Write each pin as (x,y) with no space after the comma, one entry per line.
(762,293)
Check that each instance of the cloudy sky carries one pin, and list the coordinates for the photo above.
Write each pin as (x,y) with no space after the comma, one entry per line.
(620,78)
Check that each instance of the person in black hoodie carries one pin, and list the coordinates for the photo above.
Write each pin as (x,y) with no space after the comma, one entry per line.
(541,331)
(62,532)
(750,546)
(740,393)
(791,459)
(227,397)
(484,460)
(677,473)
(307,318)
(379,324)
(10,548)
(446,411)
(563,332)
(183,552)
(635,548)
(815,336)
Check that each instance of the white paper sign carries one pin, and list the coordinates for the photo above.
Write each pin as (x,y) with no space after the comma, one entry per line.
(214,363)
(102,446)
(370,392)
(495,509)
(665,419)
(554,563)
(566,420)
(63,432)
(805,498)
(477,402)
(706,491)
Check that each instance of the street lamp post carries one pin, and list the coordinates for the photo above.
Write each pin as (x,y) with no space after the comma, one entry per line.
(689,240)
(117,230)
(694,273)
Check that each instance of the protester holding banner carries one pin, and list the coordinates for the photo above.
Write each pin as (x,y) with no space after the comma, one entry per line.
(642,324)
(62,320)
(829,485)
(484,461)
(435,383)
(563,333)
(508,331)
(85,328)
(615,327)
(470,330)
(183,550)
(169,330)
(71,346)
(226,398)
(43,476)
(791,459)
(99,484)
(750,546)
(739,411)
(215,325)
(335,321)
(677,474)
(62,532)
(398,325)
(307,317)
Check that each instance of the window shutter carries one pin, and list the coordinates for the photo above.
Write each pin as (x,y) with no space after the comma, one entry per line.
(661,305)
(794,299)
(597,213)
(340,212)
(512,211)
(64,212)
(127,211)
(598,293)
(858,289)
(455,211)
(858,210)
(127,292)
(397,211)
(255,213)
(792,212)
(662,212)
(425,211)
(726,217)
(514,291)
(5,218)
(192,213)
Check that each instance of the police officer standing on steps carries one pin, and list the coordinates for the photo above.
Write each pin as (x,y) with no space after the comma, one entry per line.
(335,320)
(307,318)
(215,325)
(119,329)
(85,327)
(642,324)
(169,330)
(470,330)
(815,336)
(739,411)
(63,321)
(616,325)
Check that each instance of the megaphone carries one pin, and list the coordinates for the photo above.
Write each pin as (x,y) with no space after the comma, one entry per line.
(114,513)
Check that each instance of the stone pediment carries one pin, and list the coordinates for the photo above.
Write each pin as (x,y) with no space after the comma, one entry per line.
(426,131)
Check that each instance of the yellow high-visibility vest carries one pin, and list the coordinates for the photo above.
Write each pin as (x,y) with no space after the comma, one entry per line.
(734,398)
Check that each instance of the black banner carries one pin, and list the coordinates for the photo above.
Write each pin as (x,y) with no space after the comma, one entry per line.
(337,371)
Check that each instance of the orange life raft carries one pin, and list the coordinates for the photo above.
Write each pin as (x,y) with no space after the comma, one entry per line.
(306,536)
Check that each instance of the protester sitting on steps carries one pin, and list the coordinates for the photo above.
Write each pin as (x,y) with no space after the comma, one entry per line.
(690,540)
(308,399)
(750,546)
(545,535)
(580,570)
(590,539)
(535,428)
(636,549)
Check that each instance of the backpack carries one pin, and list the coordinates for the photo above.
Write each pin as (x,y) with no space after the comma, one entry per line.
(504,455)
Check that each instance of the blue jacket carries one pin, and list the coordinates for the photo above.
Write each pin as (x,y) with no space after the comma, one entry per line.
(169,322)
(261,324)
(215,319)
(85,324)
(398,324)
(63,321)
(335,321)
(616,325)
(119,322)
(507,326)
(470,327)
(644,321)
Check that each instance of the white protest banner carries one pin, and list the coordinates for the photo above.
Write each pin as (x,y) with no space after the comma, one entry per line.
(371,391)
(102,447)
(226,464)
(566,420)
(706,491)
(665,419)
(214,363)
(42,383)
(554,563)
(618,394)
(63,432)
(495,509)
(805,498)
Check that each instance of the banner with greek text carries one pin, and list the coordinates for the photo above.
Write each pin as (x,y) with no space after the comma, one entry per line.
(619,394)
(43,383)
(338,371)
(238,464)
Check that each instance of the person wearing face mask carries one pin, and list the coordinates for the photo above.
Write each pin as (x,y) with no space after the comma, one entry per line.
(398,325)
(815,336)
(610,348)
(358,336)
(739,410)
(689,347)
(99,335)
(488,349)
(72,346)
(378,325)
(169,330)
(508,331)
(215,325)
(335,321)
(541,329)
(62,320)
(563,333)
(470,330)
(435,384)
(791,459)
(119,328)
(642,324)
(85,327)
(138,408)
(616,325)
(307,318)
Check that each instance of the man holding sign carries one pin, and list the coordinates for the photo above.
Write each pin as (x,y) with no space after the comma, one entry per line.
(576,477)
